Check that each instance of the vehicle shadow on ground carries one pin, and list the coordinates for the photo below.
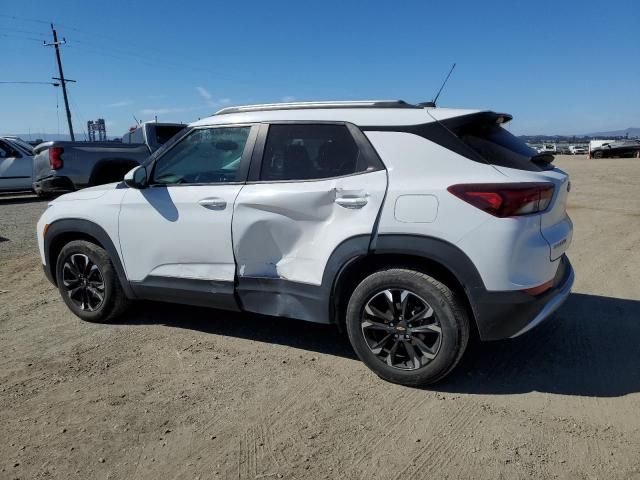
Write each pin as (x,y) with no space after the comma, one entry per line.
(590,348)
(259,328)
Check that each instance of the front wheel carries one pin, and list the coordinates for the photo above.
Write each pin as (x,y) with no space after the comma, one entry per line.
(88,283)
(407,327)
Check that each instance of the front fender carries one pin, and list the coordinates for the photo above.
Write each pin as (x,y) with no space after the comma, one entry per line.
(63,231)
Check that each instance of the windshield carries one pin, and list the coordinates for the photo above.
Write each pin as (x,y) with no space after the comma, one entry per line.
(21,144)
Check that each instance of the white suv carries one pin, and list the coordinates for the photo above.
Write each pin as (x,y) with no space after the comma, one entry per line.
(412,226)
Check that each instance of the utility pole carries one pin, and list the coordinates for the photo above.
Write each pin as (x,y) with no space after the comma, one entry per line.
(62,80)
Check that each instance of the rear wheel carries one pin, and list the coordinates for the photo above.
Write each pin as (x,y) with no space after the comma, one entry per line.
(88,282)
(407,327)
(597,155)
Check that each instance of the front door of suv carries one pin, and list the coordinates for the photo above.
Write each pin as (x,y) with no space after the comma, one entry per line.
(175,235)
(311,187)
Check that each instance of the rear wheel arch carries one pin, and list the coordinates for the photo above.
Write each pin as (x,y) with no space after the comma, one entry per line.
(61,232)
(437,258)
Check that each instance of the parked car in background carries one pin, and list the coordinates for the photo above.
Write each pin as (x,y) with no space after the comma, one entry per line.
(410,226)
(16,165)
(621,148)
(548,148)
(578,149)
(62,166)
(20,142)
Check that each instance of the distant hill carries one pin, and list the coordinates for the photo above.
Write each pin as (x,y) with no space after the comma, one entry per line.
(50,136)
(631,132)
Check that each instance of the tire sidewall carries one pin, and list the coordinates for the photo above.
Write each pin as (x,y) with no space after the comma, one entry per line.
(452,340)
(100,258)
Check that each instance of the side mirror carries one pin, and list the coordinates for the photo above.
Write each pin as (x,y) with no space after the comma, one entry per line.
(136,177)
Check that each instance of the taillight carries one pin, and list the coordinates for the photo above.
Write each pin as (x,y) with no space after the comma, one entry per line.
(55,157)
(505,199)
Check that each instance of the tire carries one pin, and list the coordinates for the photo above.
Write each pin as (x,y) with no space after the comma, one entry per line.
(435,353)
(597,155)
(44,195)
(84,273)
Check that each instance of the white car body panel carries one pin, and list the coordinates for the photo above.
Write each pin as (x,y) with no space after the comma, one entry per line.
(288,230)
(509,253)
(99,205)
(166,232)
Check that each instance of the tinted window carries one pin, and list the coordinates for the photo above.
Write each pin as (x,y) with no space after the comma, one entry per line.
(210,155)
(305,152)
(165,132)
(498,146)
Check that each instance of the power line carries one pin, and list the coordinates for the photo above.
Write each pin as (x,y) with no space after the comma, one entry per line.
(24,19)
(150,51)
(33,83)
(21,37)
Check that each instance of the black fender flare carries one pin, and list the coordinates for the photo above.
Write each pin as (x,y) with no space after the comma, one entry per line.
(433,249)
(84,227)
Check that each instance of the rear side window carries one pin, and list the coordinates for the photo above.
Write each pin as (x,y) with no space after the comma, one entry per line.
(498,146)
(308,152)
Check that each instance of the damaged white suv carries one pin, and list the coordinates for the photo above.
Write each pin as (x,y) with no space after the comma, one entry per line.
(408,224)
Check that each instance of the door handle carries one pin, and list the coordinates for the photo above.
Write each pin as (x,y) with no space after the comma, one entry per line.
(213,203)
(352,202)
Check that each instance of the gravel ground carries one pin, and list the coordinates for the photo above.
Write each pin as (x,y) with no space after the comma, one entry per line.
(181,392)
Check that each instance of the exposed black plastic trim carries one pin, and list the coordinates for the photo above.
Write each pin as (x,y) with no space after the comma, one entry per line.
(202,293)
(501,315)
(281,297)
(258,153)
(12,178)
(81,226)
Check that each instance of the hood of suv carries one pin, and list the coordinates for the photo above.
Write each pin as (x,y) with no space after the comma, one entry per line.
(88,193)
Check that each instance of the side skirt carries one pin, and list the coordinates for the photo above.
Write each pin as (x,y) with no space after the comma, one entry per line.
(283,298)
(201,293)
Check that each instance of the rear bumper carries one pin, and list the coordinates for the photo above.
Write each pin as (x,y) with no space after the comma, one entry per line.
(53,185)
(502,315)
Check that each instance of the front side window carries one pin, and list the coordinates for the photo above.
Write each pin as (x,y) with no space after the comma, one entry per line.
(207,155)
(307,152)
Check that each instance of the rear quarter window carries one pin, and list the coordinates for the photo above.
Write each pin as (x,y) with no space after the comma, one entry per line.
(497,146)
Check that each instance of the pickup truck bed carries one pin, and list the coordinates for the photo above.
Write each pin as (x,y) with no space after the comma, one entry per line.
(61,166)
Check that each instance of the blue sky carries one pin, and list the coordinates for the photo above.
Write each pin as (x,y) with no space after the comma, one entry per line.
(558,66)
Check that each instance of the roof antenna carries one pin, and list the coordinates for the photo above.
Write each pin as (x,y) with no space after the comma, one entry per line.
(432,103)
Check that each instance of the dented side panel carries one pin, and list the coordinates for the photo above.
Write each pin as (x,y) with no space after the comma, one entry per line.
(288,230)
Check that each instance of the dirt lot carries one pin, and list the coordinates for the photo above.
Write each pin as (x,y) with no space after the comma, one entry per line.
(180,392)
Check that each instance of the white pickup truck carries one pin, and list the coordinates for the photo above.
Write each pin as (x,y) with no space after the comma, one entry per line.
(16,165)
